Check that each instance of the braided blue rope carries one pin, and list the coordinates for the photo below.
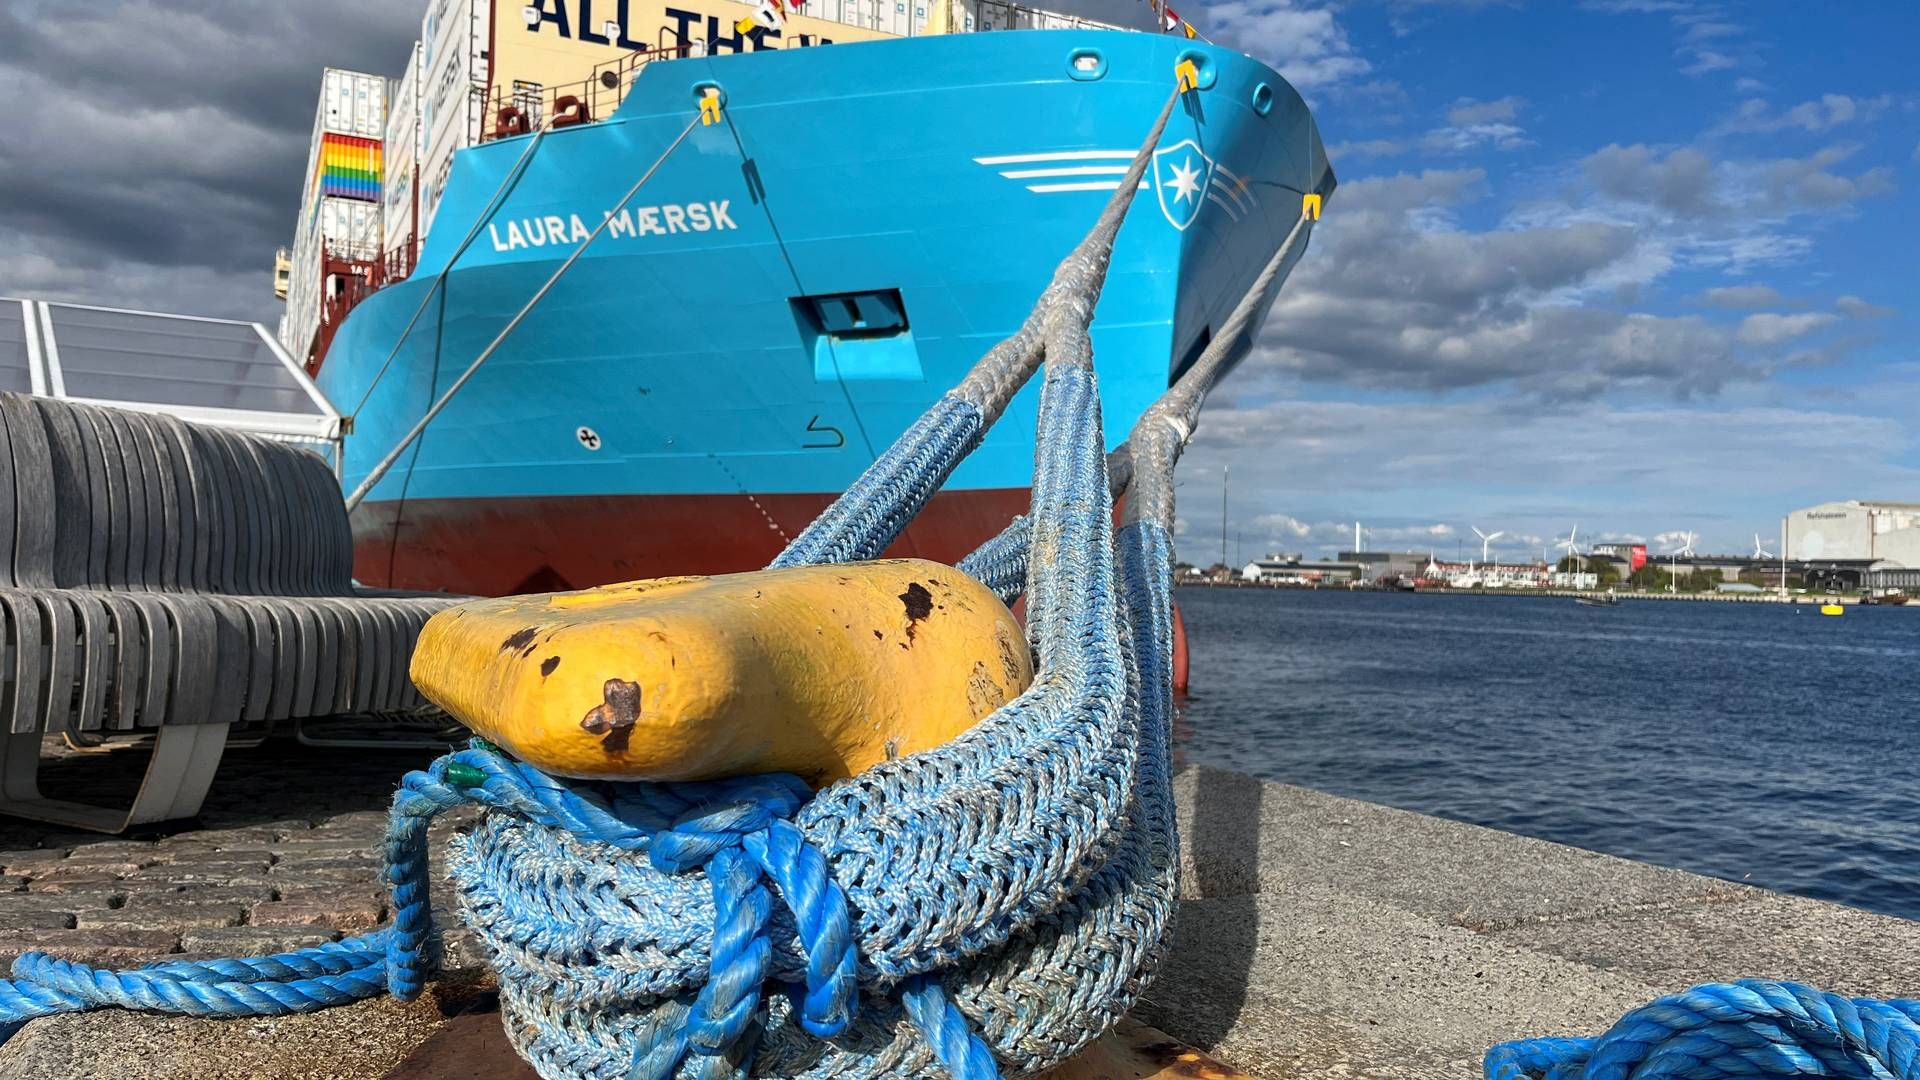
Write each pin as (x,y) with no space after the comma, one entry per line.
(1743,1029)
(1001,563)
(861,523)
(736,828)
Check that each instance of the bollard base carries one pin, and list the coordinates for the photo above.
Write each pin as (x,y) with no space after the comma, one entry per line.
(473,1044)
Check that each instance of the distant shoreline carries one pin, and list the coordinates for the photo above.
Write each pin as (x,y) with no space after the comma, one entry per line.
(1552,594)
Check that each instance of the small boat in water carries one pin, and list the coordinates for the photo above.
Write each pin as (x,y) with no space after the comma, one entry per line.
(1606,600)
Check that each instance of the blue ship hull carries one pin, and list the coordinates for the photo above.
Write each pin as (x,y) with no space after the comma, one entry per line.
(790,291)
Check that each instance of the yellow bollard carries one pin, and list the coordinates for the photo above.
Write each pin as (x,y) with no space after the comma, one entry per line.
(821,671)
(710,108)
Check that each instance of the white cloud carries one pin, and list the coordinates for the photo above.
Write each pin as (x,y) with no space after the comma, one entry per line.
(1681,182)
(1281,533)
(1855,308)
(1742,296)
(1367,148)
(1459,139)
(1467,112)
(1708,60)
(1304,43)
(1674,539)
(1708,38)
(1821,115)
(1769,328)
(1790,185)
(1398,295)
(1690,185)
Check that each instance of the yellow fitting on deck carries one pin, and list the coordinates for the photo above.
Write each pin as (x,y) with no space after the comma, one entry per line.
(820,671)
(1310,206)
(710,105)
(1188,74)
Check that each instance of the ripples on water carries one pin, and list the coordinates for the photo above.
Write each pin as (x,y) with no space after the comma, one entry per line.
(1753,742)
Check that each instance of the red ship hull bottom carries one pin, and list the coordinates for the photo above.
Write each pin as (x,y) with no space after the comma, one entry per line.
(499,547)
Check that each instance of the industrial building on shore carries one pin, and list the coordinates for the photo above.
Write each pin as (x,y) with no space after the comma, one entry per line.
(1857,543)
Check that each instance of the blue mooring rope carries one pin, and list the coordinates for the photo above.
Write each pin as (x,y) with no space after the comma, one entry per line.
(1743,1029)
(737,830)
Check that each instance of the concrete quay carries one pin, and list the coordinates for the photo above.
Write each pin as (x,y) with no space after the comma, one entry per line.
(1317,936)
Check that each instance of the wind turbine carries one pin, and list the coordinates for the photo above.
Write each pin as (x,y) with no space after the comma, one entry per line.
(1571,545)
(1486,540)
(1685,548)
(1759,550)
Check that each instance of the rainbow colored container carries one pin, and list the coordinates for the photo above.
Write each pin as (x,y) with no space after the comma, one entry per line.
(350,167)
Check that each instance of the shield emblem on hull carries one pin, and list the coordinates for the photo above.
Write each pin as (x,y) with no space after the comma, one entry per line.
(1181,174)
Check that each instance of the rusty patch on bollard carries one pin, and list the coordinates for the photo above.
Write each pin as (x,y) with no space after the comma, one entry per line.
(472,1044)
(1135,1051)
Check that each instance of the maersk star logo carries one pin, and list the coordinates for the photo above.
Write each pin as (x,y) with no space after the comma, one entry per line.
(1182,174)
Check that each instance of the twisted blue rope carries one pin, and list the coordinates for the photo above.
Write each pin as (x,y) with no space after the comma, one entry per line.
(736,829)
(947,1030)
(1744,1029)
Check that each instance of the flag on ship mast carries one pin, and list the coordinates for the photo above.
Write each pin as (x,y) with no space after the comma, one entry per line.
(1170,19)
(767,15)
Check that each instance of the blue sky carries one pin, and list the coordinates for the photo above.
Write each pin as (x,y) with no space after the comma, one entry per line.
(1641,265)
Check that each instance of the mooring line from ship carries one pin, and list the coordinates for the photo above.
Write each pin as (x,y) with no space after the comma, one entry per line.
(379,471)
(507,184)
(780,245)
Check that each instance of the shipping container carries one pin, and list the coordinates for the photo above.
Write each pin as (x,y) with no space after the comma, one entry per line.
(352,103)
(398,222)
(349,167)
(341,203)
(338,229)
(895,18)
(343,155)
(968,16)
(453,60)
(454,40)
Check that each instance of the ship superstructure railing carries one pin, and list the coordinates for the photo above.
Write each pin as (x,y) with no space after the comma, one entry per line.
(352,271)
(525,107)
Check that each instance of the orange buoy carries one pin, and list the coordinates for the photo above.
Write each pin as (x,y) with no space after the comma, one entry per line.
(1179,651)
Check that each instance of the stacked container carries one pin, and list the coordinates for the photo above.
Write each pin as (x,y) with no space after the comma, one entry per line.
(340,210)
(453,61)
(399,209)
(912,18)
(980,15)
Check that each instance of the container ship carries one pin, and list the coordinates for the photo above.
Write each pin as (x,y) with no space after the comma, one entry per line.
(878,204)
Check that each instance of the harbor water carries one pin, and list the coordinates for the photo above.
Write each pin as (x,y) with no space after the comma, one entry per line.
(1759,743)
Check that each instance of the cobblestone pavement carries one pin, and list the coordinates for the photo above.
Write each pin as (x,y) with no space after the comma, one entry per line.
(285,854)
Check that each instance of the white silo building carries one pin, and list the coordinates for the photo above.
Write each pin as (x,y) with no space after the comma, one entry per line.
(1883,534)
